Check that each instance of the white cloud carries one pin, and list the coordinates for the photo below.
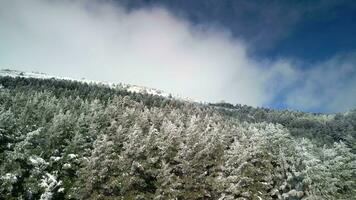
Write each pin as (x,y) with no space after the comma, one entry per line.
(329,86)
(148,46)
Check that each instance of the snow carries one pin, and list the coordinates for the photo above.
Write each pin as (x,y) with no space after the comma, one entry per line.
(9,177)
(144,90)
(222,197)
(49,182)
(55,158)
(35,160)
(128,87)
(34,133)
(71,156)
(46,181)
(67,166)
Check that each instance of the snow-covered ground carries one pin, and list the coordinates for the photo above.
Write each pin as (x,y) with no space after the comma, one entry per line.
(128,87)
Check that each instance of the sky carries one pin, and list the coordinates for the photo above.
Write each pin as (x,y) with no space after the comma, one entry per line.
(299,55)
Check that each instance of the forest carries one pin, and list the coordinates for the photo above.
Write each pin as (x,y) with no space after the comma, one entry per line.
(64,139)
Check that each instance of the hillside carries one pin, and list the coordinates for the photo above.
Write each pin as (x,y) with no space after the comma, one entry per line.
(69,139)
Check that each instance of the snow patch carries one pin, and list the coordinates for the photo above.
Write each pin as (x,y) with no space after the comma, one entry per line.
(35,160)
(49,182)
(55,158)
(71,156)
(9,177)
(67,166)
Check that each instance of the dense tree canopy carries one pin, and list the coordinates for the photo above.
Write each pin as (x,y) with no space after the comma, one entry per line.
(66,139)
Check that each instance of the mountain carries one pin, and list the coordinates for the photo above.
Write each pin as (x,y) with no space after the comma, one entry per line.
(77,139)
(128,87)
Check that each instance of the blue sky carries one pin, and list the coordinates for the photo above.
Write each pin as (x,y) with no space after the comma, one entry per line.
(281,54)
(308,30)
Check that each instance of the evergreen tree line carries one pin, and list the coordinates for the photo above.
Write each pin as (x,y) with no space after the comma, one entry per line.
(322,129)
(63,139)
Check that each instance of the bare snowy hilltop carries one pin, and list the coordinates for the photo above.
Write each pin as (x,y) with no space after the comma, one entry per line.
(62,138)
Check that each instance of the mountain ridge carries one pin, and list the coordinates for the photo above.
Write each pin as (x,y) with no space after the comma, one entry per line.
(129,87)
(140,89)
(66,139)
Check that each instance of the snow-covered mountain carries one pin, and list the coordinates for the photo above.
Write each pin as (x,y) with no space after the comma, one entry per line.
(62,139)
(128,87)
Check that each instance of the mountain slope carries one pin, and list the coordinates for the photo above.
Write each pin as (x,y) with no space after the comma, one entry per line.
(128,87)
(67,139)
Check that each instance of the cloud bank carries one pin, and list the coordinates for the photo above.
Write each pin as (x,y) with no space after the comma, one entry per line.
(329,86)
(151,47)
